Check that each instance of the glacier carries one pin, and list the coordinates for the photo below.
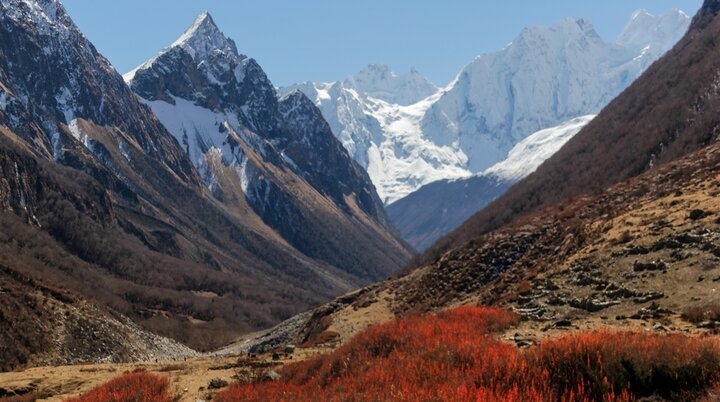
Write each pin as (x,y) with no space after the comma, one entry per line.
(438,208)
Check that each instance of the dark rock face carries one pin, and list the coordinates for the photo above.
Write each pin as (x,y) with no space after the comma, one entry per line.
(205,68)
(711,6)
(56,75)
(306,138)
(705,16)
(274,143)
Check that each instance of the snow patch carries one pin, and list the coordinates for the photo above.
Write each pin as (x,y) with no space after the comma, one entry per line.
(242,170)
(124,149)
(3,100)
(531,152)
(64,101)
(208,135)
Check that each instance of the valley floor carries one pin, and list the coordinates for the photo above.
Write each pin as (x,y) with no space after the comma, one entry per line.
(191,379)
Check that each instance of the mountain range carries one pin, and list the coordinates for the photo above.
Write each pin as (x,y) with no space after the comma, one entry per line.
(407,133)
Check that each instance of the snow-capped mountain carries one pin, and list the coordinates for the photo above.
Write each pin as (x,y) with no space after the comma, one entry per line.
(276,154)
(384,137)
(437,208)
(379,82)
(545,76)
(52,78)
(654,32)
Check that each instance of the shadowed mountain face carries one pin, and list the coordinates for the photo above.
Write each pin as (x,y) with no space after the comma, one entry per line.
(436,209)
(102,202)
(665,114)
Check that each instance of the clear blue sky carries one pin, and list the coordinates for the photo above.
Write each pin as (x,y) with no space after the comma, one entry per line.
(325,40)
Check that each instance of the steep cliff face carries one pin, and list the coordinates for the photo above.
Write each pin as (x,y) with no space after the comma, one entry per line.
(280,153)
(53,76)
(319,158)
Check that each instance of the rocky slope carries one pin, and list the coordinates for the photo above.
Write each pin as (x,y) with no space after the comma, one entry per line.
(100,201)
(494,102)
(44,325)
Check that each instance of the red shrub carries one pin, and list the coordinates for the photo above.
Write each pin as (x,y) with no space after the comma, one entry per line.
(131,387)
(671,366)
(453,356)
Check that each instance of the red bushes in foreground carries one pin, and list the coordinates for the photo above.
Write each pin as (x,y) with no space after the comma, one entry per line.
(131,387)
(453,356)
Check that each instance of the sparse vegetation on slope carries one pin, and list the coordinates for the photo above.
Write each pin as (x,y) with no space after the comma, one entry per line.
(454,356)
(131,387)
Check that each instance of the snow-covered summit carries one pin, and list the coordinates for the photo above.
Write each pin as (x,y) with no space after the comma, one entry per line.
(42,14)
(566,30)
(203,41)
(547,75)
(204,38)
(379,82)
(224,110)
(53,77)
(655,31)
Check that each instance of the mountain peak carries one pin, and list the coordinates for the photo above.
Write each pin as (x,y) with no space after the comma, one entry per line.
(382,70)
(656,31)
(639,13)
(295,95)
(204,37)
(46,15)
(380,82)
(568,28)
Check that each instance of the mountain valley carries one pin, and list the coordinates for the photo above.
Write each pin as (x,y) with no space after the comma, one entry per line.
(544,227)
(95,191)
